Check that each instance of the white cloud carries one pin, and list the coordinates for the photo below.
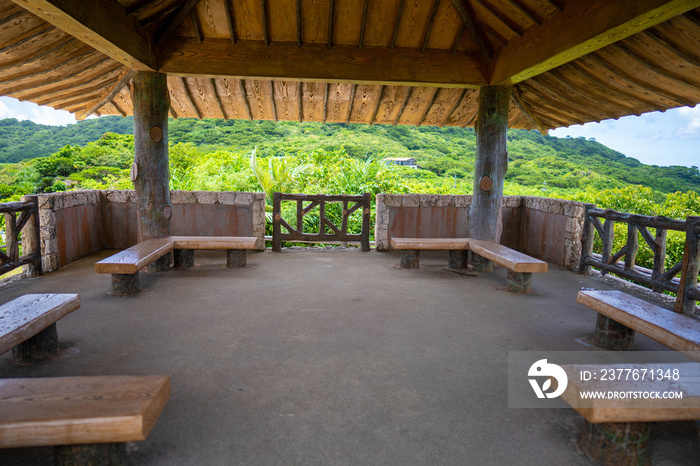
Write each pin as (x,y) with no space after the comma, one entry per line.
(692,128)
(12,108)
(4,111)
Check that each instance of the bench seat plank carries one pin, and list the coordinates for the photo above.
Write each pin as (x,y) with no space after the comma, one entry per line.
(24,317)
(669,328)
(79,410)
(213,242)
(430,243)
(635,410)
(133,259)
(502,255)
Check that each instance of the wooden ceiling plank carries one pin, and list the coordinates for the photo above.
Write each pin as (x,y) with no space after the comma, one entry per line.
(583,96)
(29,37)
(502,18)
(195,25)
(397,24)
(263,13)
(472,118)
(527,12)
(170,31)
(581,28)
(674,47)
(466,12)
(376,108)
(299,36)
(427,109)
(190,99)
(123,80)
(63,77)
(244,94)
(300,101)
(580,68)
(104,26)
(313,62)
(50,64)
(230,21)
(533,87)
(556,4)
(363,25)
(212,82)
(464,108)
(98,84)
(641,83)
(331,22)
(454,107)
(426,36)
(121,112)
(458,39)
(403,106)
(351,101)
(272,101)
(524,109)
(325,102)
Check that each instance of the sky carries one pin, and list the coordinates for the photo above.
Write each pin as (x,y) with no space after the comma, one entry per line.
(668,138)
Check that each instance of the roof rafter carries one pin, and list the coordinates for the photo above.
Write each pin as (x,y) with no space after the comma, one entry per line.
(466,12)
(314,62)
(104,26)
(175,23)
(579,29)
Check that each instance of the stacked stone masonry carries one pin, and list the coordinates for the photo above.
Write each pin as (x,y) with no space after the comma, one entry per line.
(75,224)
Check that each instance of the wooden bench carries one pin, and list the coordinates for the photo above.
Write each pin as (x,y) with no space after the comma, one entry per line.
(620,315)
(125,265)
(484,254)
(616,430)
(28,325)
(87,420)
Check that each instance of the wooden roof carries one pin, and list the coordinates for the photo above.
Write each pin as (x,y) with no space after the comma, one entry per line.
(416,62)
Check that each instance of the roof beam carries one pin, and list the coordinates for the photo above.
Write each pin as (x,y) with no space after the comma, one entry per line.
(104,26)
(315,63)
(579,29)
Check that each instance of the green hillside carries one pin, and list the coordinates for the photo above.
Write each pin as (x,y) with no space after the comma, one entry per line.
(537,161)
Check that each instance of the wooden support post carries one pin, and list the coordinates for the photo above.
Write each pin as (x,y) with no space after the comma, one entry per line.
(366,201)
(690,268)
(458,259)
(632,247)
(617,443)
(519,282)
(151,171)
(183,258)
(31,239)
(587,236)
(40,347)
(491,163)
(659,256)
(235,258)
(11,243)
(410,258)
(276,218)
(612,335)
(608,239)
(125,284)
(99,453)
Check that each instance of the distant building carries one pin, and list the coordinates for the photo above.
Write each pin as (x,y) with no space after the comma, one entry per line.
(409,162)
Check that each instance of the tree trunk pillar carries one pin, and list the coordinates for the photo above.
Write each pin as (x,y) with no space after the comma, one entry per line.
(151,171)
(491,163)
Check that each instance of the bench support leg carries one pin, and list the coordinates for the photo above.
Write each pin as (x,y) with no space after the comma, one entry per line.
(125,284)
(235,258)
(183,258)
(410,258)
(40,347)
(458,259)
(481,264)
(623,443)
(99,453)
(519,282)
(162,264)
(612,335)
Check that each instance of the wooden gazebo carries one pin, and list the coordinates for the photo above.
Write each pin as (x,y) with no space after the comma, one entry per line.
(492,64)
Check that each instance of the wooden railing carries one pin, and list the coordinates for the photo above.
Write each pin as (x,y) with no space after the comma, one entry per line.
(336,234)
(623,261)
(18,216)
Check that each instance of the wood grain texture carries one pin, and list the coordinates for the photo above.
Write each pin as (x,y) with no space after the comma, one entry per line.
(79,410)
(631,410)
(213,242)
(133,259)
(677,331)
(431,243)
(27,315)
(509,258)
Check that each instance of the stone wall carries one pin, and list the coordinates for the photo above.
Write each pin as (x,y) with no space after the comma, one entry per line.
(76,224)
(549,229)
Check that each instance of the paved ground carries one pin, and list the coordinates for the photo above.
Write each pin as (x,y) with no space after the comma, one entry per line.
(331,357)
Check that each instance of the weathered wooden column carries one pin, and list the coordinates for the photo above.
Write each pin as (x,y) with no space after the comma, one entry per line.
(490,168)
(151,169)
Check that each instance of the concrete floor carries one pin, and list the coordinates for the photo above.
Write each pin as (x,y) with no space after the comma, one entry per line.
(331,357)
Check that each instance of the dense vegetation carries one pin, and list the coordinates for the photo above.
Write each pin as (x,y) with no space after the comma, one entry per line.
(337,158)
